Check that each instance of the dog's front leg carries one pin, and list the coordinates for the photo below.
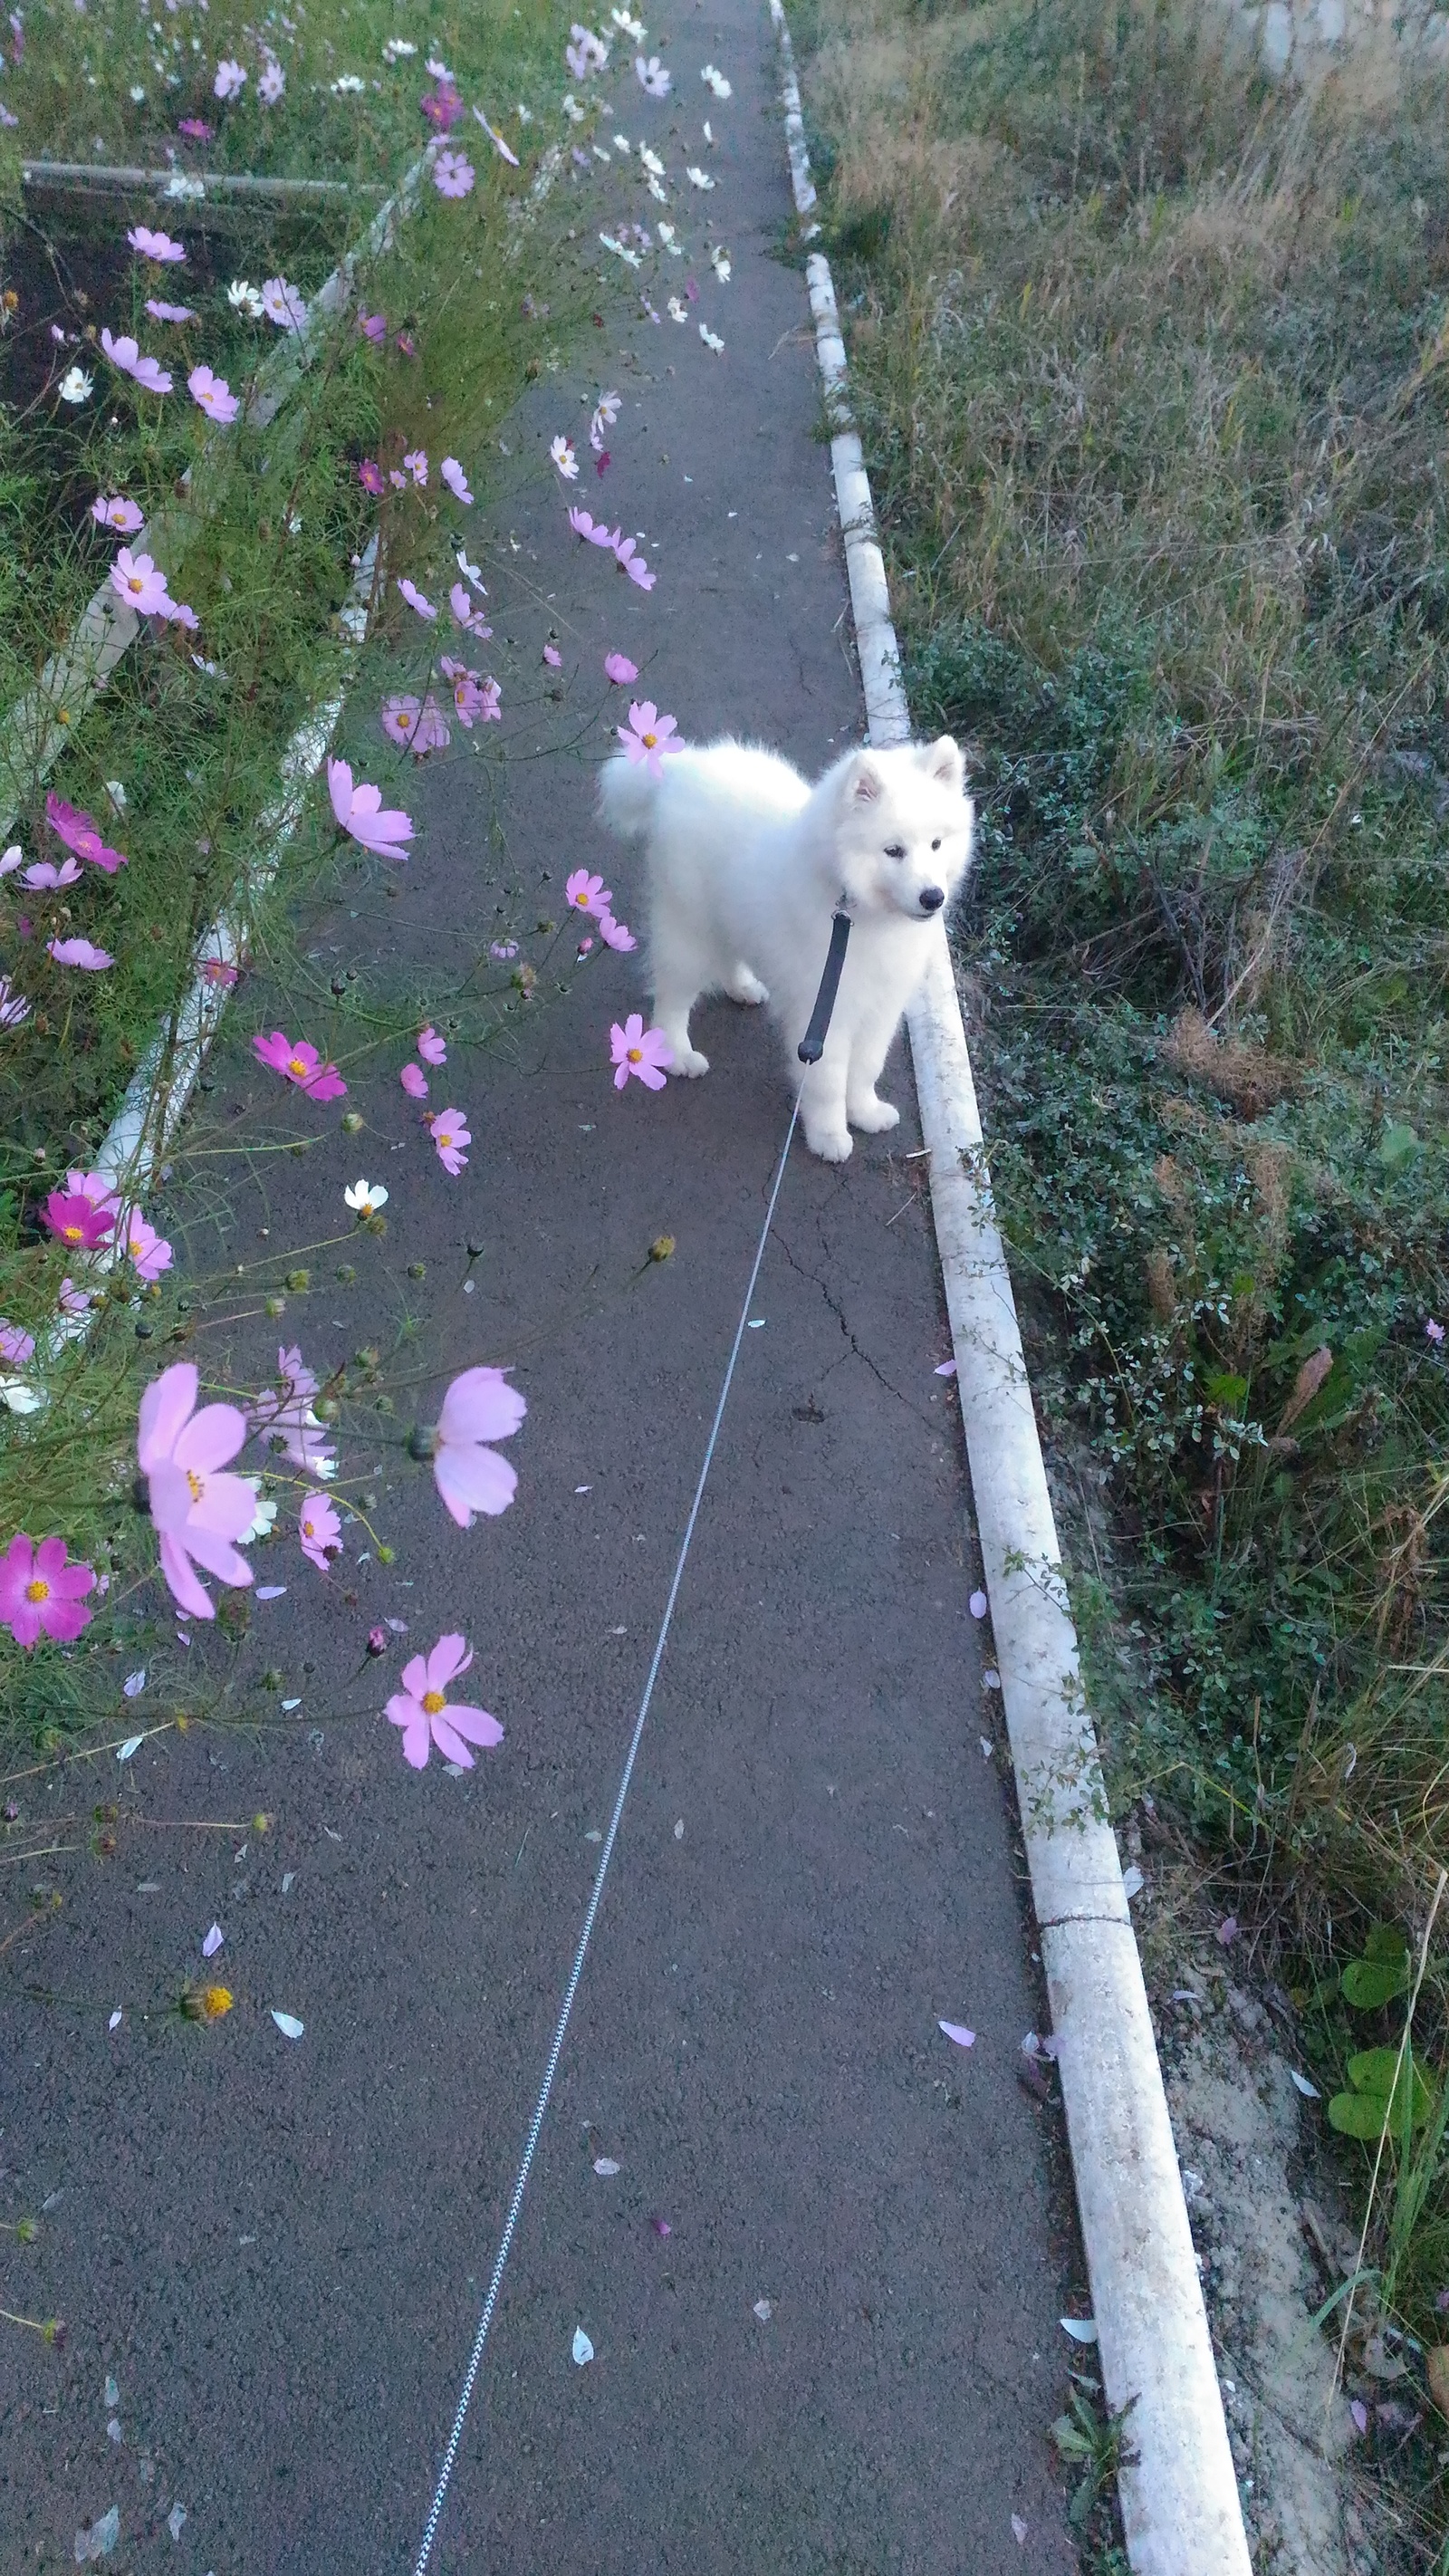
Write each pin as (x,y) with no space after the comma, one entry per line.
(822,1104)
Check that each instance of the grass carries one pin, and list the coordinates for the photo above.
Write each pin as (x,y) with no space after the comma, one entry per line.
(179,757)
(1149,362)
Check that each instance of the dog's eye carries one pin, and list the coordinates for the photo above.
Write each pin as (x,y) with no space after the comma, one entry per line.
(895,849)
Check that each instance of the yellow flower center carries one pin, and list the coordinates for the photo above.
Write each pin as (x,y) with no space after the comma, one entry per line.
(309,1529)
(37,1591)
(433,1701)
(194,1481)
(215,2000)
(582,901)
(133,583)
(649,740)
(636,1055)
(73,1234)
(403,722)
(295,1065)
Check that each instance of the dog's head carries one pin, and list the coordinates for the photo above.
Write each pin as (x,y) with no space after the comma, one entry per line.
(904,828)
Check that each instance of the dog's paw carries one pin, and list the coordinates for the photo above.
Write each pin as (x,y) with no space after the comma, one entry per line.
(873,1116)
(832,1144)
(748,988)
(690,1062)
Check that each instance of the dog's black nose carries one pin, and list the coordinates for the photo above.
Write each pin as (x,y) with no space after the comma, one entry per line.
(932,898)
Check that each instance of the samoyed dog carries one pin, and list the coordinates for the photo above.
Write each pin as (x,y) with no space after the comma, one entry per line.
(747,863)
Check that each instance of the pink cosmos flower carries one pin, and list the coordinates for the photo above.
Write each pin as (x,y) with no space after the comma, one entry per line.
(147,372)
(592,530)
(640,1051)
(196,1510)
(177,612)
(357,812)
(442,107)
(416,463)
(648,736)
(504,948)
(95,1186)
(44,877)
(633,564)
(417,725)
(373,327)
(553,657)
(283,304)
(431,1047)
(195,128)
(456,480)
(479,1406)
(79,833)
(407,344)
(586,893)
(214,395)
(477,700)
(73,1300)
(143,1245)
(216,970)
(40,1593)
(426,1715)
(616,934)
(230,80)
(13,1006)
(113,510)
(504,150)
(80,952)
(300,1064)
(652,77)
(369,476)
(161,312)
(157,246)
(414,1081)
(471,619)
(15,1346)
(272,83)
(76,1221)
(453,174)
(1434,1332)
(320,1530)
(415,599)
(619,669)
(136,580)
(285,1413)
(397,478)
(450,1135)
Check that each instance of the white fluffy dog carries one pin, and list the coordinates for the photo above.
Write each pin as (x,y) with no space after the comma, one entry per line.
(747,863)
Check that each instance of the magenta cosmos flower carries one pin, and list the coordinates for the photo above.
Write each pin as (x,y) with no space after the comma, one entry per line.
(619,669)
(442,107)
(479,1406)
(136,580)
(79,832)
(586,893)
(648,736)
(82,953)
(415,599)
(431,1047)
(319,1530)
(370,476)
(157,246)
(300,1064)
(453,174)
(414,1081)
(197,1511)
(450,1135)
(417,724)
(142,1244)
(426,1715)
(640,1051)
(76,1221)
(358,812)
(113,510)
(40,1594)
(195,128)
(147,372)
(456,480)
(214,395)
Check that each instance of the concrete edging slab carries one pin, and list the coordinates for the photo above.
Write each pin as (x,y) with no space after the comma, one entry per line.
(1180,2508)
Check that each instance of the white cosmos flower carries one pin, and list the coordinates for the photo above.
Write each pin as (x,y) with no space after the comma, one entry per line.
(565,459)
(657,192)
(75,387)
(19,1397)
(651,161)
(719,260)
(716,81)
(633,28)
(666,235)
(264,1515)
(710,338)
(572,109)
(469,571)
(245,298)
(397,49)
(366,1197)
(677,311)
(699,178)
(348,86)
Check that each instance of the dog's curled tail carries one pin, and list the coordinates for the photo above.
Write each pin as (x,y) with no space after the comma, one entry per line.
(626,797)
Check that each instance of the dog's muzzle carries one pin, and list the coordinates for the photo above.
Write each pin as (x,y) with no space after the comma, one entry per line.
(932,898)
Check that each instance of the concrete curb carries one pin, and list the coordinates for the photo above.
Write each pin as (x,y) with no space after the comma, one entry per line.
(1179,2495)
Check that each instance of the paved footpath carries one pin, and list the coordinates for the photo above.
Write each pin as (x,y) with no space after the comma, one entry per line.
(842,2356)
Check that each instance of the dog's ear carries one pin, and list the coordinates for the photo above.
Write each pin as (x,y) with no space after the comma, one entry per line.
(944,764)
(864,783)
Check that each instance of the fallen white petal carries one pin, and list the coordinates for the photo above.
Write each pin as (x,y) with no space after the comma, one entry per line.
(679,1829)
(213,1942)
(115,2021)
(1133,1882)
(990,1680)
(1309,2091)
(132,1745)
(1018,2530)
(605,2166)
(270,1591)
(175,2519)
(134,1683)
(288,1881)
(288,2024)
(764,2310)
(947,1368)
(1081,2329)
(978,1605)
(987,1747)
(958,2031)
(582,2348)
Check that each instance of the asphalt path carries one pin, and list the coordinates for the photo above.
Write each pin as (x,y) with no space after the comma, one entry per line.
(822,2285)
